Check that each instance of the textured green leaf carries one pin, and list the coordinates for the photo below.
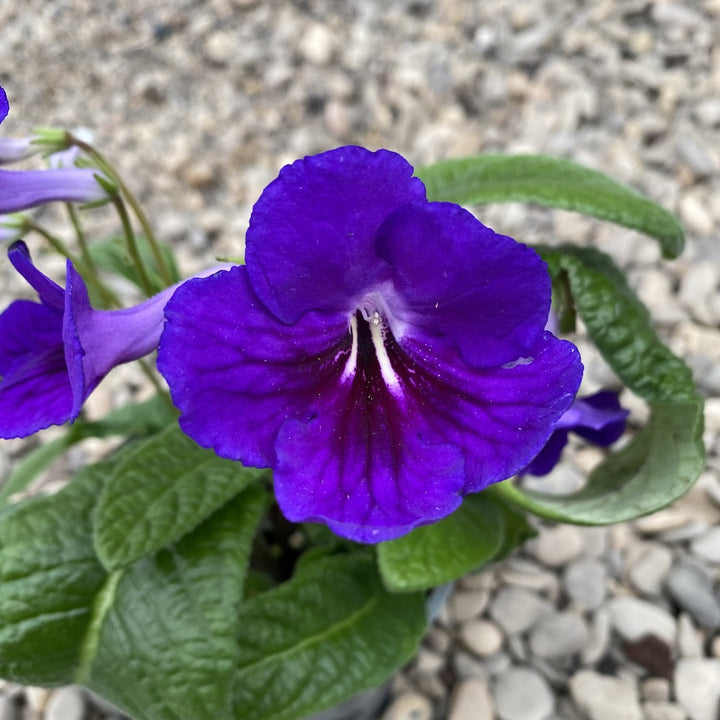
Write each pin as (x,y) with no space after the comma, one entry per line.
(49,577)
(326,634)
(161,492)
(137,419)
(665,458)
(163,642)
(446,550)
(111,255)
(554,182)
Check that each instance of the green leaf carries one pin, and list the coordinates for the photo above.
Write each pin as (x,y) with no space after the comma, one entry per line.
(446,550)
(666,457)
(553,182)
(160,492)
(326,634)
(49,577)
(163,641)
(111,255)
(138,419)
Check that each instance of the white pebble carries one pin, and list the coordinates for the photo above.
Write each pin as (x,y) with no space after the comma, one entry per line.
(557,546)
(409,706)
(516,609)
(602,697)
(66,703)
(471,701)
(697,687)
(633,619)
(482,637)
(647,573)
(559,635)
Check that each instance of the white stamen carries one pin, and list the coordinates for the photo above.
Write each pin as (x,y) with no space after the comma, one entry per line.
(349,370)
(376,319)
(386,368)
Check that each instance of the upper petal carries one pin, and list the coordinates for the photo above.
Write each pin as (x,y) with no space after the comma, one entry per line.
(50,292)
(311,234)
(455,277)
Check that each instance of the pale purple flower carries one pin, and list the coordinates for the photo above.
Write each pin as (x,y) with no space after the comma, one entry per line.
(25,189)
(383,354)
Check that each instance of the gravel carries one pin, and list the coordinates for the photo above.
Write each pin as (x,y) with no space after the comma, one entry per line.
(200,104)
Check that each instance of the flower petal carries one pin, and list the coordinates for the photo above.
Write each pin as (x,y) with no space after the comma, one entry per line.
(458,278)
(24,189)
(598,418)
(50,292)
(499,417)
(4,105)
(236,372)
(311,234)
(34,390)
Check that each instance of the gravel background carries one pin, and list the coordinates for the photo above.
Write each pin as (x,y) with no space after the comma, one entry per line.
(200,104)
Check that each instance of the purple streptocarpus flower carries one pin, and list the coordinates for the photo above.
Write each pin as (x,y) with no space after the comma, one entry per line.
(598,418)
(25,189)
(383,354)
(55,352)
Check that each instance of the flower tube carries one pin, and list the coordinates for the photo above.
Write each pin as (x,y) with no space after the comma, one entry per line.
(383,354)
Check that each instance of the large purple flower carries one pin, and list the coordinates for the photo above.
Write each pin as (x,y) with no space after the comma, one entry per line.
(383,354)
(25,189)
(598,418)
(55,352)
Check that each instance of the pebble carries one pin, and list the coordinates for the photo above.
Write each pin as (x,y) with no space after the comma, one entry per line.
(516,610)
(655,689)
(692,589)
(557,546)
(9,709)
(698,286)
(634,618)
(559,635)
(602,697)
(584,581)
(66,703)
(647,573)
(663,711)
(465,605)
(482,637)
(598,638)
(523,694)
(409,706)
(471,700)
(697,687)
(689,638)
(707,545)
(692,151)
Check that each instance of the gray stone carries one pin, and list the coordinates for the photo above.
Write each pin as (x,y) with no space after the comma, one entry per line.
(585,581)
(67,703)
(689,638)
(471,700)
(467,604)
(516,610)
(523,694)
(598,637)
(602,697)
(633,619)
(697,687)
(692,151)
(692,589)
(655,689)
(559,635)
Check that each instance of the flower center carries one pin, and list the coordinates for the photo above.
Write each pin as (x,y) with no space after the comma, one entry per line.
(370,338)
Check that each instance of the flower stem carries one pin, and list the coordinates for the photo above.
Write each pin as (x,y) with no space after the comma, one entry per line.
(132,243)
(106,167)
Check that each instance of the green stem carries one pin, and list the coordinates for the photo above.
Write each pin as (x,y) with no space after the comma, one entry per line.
(104,165)
(131,243)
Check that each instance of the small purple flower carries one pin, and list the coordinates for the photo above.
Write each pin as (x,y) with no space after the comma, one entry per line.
(598,418)
(383,354)
(55,352)
(25,189)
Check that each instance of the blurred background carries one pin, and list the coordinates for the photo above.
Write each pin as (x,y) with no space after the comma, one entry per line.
(199,104)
